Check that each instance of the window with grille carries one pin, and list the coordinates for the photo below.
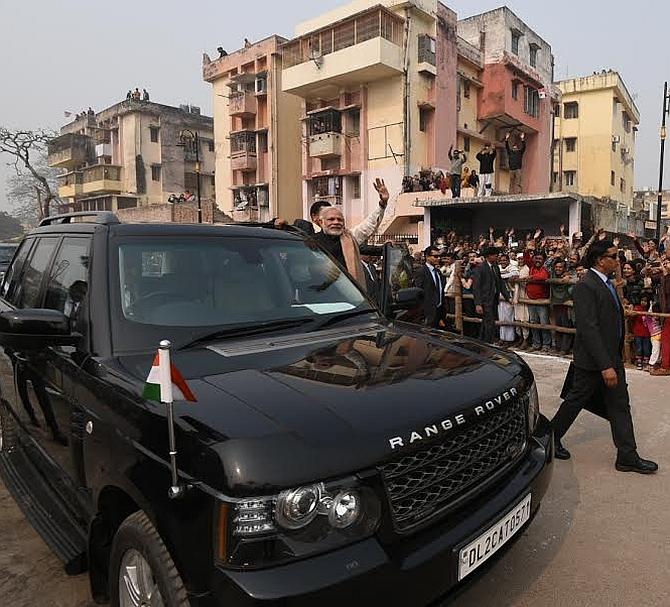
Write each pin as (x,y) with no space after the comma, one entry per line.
(516,37)
(571,144)
(155,172)
(534,49)
(570,178)
(531,102)
(612,177)
(153,131)
(515,89)
(355,182)
(571,110)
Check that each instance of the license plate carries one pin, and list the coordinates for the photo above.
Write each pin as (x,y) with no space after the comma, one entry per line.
(494,538)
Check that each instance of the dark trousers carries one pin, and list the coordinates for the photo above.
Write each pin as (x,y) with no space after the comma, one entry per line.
(456,186)
(433,321)
(487,330)
(562,319)
(587,386)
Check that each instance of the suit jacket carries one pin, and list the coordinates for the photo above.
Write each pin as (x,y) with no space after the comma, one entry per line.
(425,280)
(599,323)
(488,285)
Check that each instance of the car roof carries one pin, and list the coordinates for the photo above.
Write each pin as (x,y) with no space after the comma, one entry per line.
(88,223)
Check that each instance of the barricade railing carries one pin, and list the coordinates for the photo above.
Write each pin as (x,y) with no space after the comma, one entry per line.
(461,319)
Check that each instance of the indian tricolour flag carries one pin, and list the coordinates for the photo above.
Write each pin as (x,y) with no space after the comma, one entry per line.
(165,382)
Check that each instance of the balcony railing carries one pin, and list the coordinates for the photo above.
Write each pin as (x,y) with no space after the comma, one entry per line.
(101,178)
(69,151)
(375,23)
(325,145)
(242,104)
(246,162)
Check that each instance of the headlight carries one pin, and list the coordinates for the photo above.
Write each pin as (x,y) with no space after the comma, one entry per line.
(296,523)
(533,408)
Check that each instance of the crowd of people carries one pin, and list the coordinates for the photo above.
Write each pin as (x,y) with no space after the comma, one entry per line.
(465,182)
(501,275)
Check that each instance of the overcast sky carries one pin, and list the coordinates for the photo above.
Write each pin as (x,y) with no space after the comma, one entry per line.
(69,54)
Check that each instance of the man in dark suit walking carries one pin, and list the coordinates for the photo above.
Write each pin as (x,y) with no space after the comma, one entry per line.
(487,287)
(429,278)
(598,360)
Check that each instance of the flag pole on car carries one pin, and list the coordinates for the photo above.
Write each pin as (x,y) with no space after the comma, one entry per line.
(163,383)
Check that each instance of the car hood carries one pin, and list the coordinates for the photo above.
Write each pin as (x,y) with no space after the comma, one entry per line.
(275,412)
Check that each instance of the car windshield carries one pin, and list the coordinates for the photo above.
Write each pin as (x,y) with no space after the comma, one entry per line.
(229,282)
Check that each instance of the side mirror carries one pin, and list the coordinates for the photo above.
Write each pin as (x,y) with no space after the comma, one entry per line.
(407,299)
(34,329)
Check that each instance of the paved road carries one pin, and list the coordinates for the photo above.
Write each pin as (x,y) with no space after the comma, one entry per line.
(600,539)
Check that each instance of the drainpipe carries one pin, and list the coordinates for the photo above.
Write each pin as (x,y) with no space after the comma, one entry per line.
(406,94)
(274,94)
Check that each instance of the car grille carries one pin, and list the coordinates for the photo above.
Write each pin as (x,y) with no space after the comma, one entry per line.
(428,481)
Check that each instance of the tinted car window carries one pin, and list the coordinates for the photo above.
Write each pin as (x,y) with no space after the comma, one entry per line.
(6,253)
(13,276)
(27,295)
(68,280)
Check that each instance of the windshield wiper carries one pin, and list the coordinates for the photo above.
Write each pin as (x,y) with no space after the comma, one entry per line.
(245,330)
(331,320)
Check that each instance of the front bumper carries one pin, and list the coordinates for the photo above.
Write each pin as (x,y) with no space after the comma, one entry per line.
(414,570)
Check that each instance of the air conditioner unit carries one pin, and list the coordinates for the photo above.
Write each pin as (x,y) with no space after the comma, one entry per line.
(542,94)
(616,139)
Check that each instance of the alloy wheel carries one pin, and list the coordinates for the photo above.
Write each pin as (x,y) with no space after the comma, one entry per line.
(137,584)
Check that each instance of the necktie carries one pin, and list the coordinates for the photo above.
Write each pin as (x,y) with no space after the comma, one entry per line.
(438,287)
(613,292)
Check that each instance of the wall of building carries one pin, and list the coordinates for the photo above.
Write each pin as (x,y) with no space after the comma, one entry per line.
(602,98)
(286,149)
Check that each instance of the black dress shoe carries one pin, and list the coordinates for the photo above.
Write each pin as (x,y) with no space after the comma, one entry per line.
(560,452)
(641,466)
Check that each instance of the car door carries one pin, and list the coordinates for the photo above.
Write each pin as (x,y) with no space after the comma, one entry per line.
(25,291)
(54,371)
(11,409)
(398,274)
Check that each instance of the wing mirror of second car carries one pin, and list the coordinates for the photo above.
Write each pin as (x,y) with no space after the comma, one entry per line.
(34,329)
(406,299)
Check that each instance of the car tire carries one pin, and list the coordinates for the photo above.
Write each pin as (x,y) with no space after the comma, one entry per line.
(136,547)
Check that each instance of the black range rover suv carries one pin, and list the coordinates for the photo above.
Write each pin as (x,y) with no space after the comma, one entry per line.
(332,454)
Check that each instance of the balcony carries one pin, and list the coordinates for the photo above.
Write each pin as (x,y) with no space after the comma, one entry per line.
(102,178)
(354,51)
(242,104)
(70,184)
(325,145)
(246,162)
(68,151)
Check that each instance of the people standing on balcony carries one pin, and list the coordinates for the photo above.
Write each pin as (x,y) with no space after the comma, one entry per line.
(473,181)
(136,95)
(343,244)
(129,95)
(458,159)
(486,158)
(145,95)
(515,154)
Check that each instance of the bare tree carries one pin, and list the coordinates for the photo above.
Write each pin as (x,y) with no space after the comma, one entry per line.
(29,149)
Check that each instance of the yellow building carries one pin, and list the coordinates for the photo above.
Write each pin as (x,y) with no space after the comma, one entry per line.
(257,134)
(594,138)
(133,154)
